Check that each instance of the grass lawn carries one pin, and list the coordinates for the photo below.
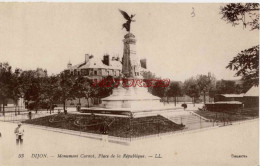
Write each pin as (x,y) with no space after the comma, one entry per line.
(115,126)
(242,114)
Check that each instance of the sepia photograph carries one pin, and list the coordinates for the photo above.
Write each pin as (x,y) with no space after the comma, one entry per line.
(128,83)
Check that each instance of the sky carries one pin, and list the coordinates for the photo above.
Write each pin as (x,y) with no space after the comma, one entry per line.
(175,44)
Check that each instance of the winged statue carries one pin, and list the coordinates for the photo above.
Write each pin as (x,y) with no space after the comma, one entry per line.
(129,19)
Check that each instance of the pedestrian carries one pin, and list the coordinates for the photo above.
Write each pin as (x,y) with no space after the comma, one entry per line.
(30,115)
(104,128)
(104,131)
(19,134)
(78,107)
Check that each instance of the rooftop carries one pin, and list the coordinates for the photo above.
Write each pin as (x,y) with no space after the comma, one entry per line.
(94,62)
(252,92)
(233,95)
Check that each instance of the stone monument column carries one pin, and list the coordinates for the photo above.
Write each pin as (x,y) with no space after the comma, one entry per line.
(130,63)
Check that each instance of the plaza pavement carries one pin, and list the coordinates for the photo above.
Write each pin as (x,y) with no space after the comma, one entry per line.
(214,146)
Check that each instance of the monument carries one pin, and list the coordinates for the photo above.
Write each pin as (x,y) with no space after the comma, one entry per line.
(131,99)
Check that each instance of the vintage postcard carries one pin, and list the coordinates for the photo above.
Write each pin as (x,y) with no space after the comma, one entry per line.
(85,83)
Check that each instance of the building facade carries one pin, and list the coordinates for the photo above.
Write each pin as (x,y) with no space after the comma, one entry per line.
(95,68)
(251,97)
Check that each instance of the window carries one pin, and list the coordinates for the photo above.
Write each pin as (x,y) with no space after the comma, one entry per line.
(103,72)
(84,72)
(90,72)
(95,72)
(110,72)
(100,72)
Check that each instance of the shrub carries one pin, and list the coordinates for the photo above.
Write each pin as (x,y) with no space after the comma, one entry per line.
(184,106)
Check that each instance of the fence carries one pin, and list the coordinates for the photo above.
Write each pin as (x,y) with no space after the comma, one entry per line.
(12,109)
(191,122)
(13,116)
(131,129)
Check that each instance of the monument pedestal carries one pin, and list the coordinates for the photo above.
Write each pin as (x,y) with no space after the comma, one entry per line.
(135,102)
(131,99)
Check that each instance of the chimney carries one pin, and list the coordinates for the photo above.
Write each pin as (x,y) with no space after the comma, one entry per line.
(86,58)
(106,59)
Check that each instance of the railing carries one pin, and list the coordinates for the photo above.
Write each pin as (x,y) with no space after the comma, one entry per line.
(191,122)
(24,115)
(8,109)
(21,117)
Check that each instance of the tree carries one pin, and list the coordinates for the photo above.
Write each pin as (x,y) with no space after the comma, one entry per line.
(174,90)
(88,91)
(32,83)
(247,13)
(82,88)
(78,87)
(158,88)
(245,86)
(191,89)
(149,76)
(5,83)
(49,91)
(245,63)
(104,87)
(16,88)
(65,90)
(205,84)
(227,87)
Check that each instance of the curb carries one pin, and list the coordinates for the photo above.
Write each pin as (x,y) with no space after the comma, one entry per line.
(82,134)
